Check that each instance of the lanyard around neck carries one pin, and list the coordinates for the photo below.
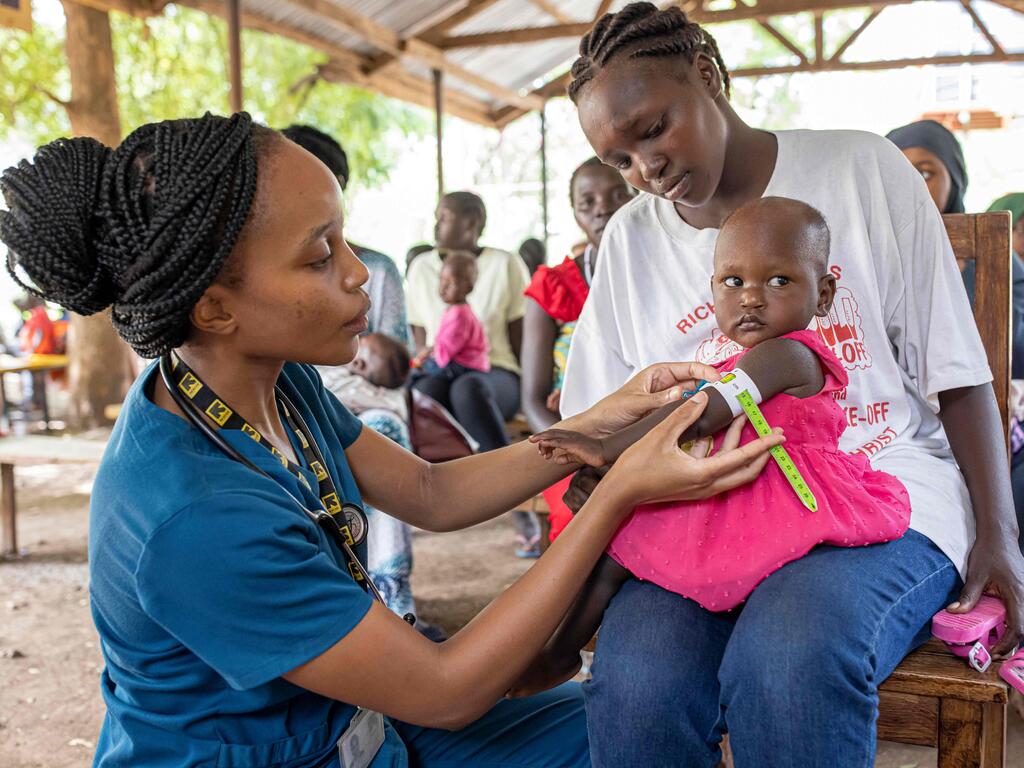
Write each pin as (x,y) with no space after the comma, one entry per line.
(350,518)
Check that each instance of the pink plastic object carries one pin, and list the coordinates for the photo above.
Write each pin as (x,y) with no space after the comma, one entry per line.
(986,624)
(1012,671)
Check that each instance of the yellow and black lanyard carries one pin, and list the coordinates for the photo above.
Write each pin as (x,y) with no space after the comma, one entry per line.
(343,521)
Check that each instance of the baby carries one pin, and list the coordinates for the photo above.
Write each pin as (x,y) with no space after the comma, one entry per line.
(374,379)
(770,280)
(460,344)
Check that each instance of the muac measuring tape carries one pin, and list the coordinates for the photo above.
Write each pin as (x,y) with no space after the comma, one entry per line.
(734,388)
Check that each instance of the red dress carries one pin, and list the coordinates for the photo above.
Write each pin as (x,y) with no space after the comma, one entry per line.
(560,291)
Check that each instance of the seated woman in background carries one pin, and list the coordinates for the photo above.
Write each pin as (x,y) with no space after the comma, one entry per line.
(554,300)
(481,401)
(387,314)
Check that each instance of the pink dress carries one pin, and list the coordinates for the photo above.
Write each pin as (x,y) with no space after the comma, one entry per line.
(461,339)
(718,550)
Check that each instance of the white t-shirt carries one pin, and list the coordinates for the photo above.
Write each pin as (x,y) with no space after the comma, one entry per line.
(901,323)
(497,298)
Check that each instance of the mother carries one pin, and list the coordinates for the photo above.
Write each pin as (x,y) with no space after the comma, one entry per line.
(793,675)
(230,626)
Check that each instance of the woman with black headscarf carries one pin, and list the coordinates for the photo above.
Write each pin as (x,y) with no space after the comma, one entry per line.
(935,152)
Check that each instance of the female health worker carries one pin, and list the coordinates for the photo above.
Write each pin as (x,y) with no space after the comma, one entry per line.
(236,631)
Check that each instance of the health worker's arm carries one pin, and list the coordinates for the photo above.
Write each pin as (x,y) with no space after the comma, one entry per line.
(775,366)
(385,665)
(464,492)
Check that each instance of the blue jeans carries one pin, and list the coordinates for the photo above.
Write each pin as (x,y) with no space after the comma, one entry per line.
(792,675)
(548,730)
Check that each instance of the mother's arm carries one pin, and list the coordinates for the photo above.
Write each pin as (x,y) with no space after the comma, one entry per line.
(970,417)
(539,333)
(385,665)
(464,492)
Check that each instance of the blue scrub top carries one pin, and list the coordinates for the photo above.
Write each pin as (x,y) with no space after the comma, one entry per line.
(208,583)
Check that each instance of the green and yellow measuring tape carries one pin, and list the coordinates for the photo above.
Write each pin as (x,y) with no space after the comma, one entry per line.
(783,459)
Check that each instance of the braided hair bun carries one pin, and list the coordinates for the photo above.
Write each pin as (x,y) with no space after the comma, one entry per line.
(144,229)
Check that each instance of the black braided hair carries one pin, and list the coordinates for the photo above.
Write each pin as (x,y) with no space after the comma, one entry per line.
(322,146)
(145,228)
(646,32)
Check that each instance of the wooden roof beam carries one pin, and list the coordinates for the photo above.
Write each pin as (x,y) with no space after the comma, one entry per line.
(262,24)
(392,43)
(765,9)
(833,65)
(996,47)
(407,87)
(553,11)
(852,37)
(550,90)
(451,17)
(1013,5)
(516,36)
(785,41)
(602,9)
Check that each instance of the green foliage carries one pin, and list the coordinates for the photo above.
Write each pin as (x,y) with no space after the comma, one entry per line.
(175,65)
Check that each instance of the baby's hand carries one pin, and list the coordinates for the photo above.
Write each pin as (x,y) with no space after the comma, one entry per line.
(565,447)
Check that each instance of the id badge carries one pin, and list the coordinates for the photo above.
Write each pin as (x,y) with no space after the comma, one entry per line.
(362,739)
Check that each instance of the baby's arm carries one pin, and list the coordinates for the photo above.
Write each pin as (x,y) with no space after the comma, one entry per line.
(775,366)
(560,659)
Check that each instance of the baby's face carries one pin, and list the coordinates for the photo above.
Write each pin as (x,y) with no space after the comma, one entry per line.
(764,287)
(371,362)
(456,283)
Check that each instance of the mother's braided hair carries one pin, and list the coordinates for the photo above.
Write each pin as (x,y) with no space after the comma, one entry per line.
(646,32)
(145,228)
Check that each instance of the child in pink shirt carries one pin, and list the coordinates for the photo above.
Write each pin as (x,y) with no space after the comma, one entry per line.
(460,344)
(770,280)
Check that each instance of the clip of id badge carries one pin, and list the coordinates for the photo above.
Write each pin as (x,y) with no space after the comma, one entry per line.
(362,739)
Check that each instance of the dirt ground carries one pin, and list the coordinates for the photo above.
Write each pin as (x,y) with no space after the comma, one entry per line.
(50,705)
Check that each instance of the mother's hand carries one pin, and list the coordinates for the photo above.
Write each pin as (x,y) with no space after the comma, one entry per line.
(656,469)
(655,386)
(996,566)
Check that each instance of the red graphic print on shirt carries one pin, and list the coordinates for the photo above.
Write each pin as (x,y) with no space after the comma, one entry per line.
(716,348)
(843,332)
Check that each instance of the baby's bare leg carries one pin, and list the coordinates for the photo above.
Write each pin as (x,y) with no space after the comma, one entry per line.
(560,659)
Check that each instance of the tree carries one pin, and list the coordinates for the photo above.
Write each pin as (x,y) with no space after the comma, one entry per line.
(175,65)
(123,71)
(99,370)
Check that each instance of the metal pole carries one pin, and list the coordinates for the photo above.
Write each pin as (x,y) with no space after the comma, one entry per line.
(235,53)
(438,116)
(544,170)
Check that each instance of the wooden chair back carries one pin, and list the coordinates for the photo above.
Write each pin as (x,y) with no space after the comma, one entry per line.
(984,238)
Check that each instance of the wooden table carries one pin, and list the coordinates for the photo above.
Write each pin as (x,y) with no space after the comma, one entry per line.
(36,365)
(30,450)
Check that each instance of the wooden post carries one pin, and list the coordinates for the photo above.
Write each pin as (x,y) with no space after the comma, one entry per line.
(235,53)
(439,117)
(8,513)
(98,370)
(544,169)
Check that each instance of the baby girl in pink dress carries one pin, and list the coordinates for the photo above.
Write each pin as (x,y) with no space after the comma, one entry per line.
(770,279)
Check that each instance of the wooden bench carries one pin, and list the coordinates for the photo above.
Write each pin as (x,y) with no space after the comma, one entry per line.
(32,450)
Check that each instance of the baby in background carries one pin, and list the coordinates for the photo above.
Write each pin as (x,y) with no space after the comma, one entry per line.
(374,379)
(460,344)
(770,280)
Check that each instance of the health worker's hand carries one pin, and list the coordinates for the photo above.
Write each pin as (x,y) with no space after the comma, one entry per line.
(655,386)
(656,469)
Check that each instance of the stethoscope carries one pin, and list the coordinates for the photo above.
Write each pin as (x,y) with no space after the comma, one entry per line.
(320,517)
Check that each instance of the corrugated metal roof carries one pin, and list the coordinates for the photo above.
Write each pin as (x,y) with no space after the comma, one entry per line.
(517,67)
